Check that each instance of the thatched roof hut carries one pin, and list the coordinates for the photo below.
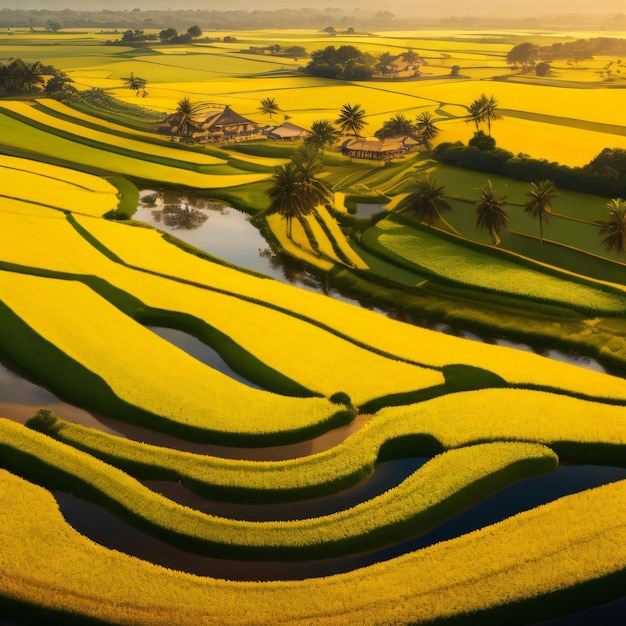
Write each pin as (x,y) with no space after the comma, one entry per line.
(288,132)
(378,149)
(221,125)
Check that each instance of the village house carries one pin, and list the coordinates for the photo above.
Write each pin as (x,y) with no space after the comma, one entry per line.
(221,126)
(288,132)
(378,149)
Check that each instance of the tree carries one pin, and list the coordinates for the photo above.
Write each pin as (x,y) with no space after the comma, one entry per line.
(542,69)
(490,212)
(475,114)
(384,63)
(351,119)
(135,82)
(483,109)
(59,83)
(426,203)
(491,113)
(168,34)
(613,230)
(426,129)
(269,106)
(482,142)
(396,126)
(296,192)
(194,31)
(540,204)
(410,56)
(53,25)
(22,76)
(524,54)
(323,134)
(186,112)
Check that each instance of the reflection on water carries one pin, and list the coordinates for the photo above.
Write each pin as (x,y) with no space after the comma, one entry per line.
(104,528)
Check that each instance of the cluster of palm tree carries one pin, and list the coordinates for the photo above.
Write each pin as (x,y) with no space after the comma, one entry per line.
(296,191)
(21,76)
(422,130)
(427,203)
(483,109)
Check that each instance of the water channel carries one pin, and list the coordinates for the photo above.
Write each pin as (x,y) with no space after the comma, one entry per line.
(227,233)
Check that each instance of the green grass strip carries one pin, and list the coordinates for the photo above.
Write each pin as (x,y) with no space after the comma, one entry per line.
(443,486)
(420,250)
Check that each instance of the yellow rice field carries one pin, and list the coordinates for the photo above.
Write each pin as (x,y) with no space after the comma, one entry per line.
(146,249)
(46,563)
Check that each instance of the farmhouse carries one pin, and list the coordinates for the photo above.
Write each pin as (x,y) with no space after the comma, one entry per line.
(378,149)
(288,132)
(222,126)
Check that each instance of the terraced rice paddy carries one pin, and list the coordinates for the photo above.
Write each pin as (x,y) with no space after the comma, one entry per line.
(79,295)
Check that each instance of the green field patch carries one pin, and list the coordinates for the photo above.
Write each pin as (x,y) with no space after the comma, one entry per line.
(419,249)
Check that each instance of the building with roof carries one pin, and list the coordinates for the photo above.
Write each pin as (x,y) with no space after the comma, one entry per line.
(221,126)
(378,149)
(288,132)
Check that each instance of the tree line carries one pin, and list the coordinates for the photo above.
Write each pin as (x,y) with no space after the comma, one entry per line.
(349,63)
(20,76)
(530,54)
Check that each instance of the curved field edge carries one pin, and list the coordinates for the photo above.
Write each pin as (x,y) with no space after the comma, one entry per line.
(510,568)
(468,264)
(145,249)
(439,489)
(581,431)
(235,414)
(253,325)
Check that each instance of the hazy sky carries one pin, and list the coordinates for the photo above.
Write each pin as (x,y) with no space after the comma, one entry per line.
(414,7)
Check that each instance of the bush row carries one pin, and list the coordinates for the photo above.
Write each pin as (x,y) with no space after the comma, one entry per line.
(522,167)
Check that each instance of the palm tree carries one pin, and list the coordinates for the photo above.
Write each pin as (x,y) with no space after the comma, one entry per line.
(426,128)
(483,109)
(269,106)
(186,112)
(323,134)
(396,126)
(491,113)
(384,63)
(135,82)
(613,230)
(540,203)
(475,113)
(490,212)
(426,203)
(20,75)
(296,192)
(351,119)
(314,190)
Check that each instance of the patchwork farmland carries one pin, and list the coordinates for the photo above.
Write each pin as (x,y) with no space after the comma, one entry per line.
(269,476)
